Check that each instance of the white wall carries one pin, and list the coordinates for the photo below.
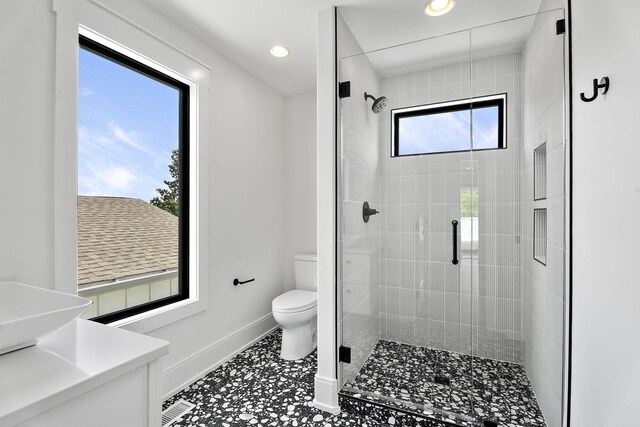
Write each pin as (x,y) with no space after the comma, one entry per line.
(27,46)
(326,382)
(300,180)
(246,183)
(606,205)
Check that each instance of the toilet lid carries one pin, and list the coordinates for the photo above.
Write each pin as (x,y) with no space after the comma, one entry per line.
(294,301)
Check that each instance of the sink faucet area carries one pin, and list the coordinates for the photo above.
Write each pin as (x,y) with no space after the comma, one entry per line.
(28,313)
(54,365)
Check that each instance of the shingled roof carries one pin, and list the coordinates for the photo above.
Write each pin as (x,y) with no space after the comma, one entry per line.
(120,237)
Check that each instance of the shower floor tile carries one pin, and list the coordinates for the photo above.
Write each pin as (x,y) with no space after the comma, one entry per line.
(258,388)
(410,378)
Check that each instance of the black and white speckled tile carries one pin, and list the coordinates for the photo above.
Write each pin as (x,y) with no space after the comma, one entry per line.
(403,376)
(258,388)
(388,416)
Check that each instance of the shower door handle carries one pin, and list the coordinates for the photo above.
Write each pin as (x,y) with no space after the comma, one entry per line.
(454,224)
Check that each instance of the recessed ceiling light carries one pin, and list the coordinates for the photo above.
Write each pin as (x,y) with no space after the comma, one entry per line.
(279,51)
(439,7)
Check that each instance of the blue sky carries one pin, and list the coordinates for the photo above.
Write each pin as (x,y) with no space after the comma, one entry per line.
(127,128)
(449,131)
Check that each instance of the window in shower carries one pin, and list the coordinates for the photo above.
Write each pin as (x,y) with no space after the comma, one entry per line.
(454,126)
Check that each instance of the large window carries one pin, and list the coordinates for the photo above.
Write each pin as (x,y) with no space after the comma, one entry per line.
(478,124)
(133,198)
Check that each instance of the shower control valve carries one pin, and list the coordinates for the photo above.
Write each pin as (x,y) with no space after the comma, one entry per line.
(367,212)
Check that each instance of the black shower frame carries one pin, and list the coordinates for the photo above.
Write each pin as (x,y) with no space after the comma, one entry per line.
(568,126)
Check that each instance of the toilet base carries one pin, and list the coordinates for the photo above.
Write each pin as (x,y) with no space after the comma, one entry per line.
(299,341)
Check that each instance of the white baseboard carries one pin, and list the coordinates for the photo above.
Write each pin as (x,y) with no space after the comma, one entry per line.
(326,398)
(175,378)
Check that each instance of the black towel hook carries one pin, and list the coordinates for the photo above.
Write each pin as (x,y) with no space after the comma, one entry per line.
(604,85)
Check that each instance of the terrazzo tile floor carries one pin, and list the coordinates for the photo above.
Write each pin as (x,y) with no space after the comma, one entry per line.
(406,377)
(258,388)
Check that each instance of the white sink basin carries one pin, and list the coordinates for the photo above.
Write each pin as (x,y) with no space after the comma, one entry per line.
(28,313)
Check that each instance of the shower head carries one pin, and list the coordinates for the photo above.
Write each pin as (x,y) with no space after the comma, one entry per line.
(378,103)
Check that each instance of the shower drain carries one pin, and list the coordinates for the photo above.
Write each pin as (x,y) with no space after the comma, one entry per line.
(442,379)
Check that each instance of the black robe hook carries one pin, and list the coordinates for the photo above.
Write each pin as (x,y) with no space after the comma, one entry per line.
(604,85)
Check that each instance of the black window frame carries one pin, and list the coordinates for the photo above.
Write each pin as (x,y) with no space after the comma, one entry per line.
(469,104)
(119,58)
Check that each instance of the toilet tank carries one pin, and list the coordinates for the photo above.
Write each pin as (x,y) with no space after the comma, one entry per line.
(306,271)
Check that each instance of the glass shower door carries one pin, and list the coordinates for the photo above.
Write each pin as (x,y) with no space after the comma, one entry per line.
(451,295)
(405,275)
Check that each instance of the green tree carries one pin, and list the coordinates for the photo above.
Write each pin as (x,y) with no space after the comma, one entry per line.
(469,203)
(169,197)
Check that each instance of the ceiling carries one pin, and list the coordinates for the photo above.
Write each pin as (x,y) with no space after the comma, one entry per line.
(460,46)
(244,30)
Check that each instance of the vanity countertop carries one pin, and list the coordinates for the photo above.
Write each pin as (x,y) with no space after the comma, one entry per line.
(68,363)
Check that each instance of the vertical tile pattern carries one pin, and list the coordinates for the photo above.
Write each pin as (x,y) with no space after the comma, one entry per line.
(421,195)
(497,176)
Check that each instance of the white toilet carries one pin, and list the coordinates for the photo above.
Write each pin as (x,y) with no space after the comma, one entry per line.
(296,311)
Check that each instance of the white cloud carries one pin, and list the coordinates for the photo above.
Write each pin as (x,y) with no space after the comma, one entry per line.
(130,137)
(92,139)
(108,181)
(115,162)
(485,137)
(135,139)
(85,91)
(117,177)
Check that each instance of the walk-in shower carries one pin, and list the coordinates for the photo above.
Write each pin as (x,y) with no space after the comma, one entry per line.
(452,297)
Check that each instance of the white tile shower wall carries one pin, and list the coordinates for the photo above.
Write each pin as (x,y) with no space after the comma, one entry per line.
(497,319)
(358,243)
(543,298)
(425,299)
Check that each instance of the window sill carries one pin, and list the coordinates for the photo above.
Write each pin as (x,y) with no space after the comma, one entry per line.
(161,316)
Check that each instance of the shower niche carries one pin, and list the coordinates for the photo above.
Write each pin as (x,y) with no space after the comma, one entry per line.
(438,293)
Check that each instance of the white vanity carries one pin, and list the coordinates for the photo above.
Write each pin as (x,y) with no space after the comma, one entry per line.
(85,374)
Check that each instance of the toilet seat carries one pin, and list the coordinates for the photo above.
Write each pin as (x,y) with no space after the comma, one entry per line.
(294,301)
